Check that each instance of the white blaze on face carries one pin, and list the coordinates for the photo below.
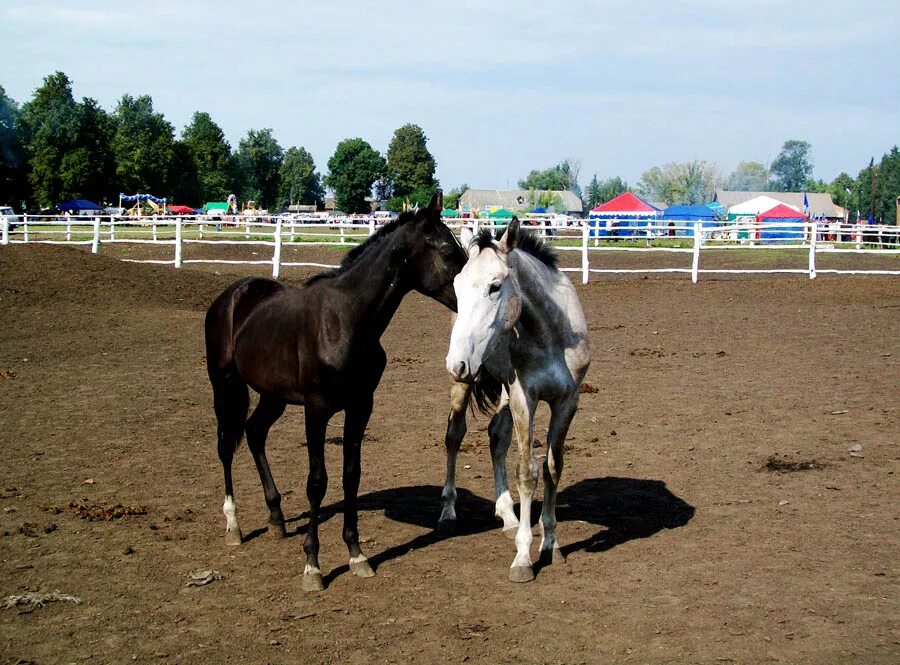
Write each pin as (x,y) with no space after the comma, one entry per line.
(479,300)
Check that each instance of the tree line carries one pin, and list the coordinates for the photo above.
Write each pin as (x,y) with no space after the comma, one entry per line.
(54,148)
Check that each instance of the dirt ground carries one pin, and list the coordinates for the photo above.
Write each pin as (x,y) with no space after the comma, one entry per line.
(730,490)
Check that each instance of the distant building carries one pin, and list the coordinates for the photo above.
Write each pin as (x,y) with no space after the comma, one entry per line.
(519,200)
(820,204)
(329,203)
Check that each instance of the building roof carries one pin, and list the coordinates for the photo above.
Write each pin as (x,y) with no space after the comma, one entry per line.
(820,204)
(518,200)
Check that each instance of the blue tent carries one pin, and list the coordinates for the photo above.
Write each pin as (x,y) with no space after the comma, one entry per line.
(77,205)
(539,210)
(683,215)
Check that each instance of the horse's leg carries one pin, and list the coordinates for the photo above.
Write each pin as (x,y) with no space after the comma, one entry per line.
(266,412)
(231,400)
(456,430)
(561,415)
(500,432)
(522,407)
(356,417)
(316,484)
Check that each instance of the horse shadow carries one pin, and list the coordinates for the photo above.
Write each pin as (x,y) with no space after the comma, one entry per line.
(624,508)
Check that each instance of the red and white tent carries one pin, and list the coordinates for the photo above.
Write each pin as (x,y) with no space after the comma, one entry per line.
(625,206)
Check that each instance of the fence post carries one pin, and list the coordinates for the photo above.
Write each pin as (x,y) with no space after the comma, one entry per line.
(371,226)
(112,228)
(95,245)
(68,229)
(813,232)
(695,265)
(293,228)
(154,229)
(178,243)
(25,228)
(585,266)
(276,257)
(858,233)
(4,240)
(341,229)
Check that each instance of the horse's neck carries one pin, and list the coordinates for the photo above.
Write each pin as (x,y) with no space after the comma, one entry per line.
(544,316)
(375,286)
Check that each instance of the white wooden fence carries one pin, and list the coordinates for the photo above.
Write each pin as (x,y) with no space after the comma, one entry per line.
(581,236)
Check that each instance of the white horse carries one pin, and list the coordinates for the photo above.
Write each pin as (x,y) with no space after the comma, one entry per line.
(519,323)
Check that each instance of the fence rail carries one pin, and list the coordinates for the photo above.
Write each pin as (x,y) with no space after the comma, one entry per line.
(585,236)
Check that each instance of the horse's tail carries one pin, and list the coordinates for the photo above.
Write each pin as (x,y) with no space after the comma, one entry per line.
(486,393)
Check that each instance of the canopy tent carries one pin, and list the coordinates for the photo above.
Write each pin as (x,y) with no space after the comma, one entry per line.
(138,198)
(449,212)
(539,211)
(78,206)
(782,223)
(627,211)
(215,208)
(500,213)
(693,213)
(679,218)
(753,207)
(182,210)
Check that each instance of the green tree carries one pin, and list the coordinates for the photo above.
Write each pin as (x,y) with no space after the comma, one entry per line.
(885,176)
(451,200)
(748,177)
(410,167)
(185,186)
(792,168)
(601,191)
(680,183)
(50,132)
(842,190)
(299,182)
(211,156)
(89,169)
(352,170)
(562,177)
(144,148)
(13,174)
(887,187)
(259,158)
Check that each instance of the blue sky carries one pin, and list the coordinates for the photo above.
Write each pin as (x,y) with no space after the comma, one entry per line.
(500,87)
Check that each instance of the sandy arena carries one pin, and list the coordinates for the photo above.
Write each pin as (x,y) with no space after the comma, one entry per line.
(730,492)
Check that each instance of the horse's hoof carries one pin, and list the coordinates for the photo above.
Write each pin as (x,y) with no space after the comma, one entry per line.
(511,532)
(277,530)
(555,555)
(313,582)
(446,528)
(362,569)
(521,574)
(233,538)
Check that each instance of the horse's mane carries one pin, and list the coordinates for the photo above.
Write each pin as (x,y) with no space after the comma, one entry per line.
(355,255)
(527,242)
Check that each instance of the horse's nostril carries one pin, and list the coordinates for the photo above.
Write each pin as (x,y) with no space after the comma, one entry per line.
(461,369)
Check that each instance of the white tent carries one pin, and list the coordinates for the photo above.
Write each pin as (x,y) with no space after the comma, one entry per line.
(754,207)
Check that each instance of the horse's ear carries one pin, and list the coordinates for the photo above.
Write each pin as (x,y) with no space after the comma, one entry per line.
(465,238)
(510,239)
(437,202)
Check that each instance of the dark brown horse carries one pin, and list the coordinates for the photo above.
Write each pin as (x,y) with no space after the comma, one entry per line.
(318,346)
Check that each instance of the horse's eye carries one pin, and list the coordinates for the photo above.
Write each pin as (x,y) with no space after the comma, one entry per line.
(493,287)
